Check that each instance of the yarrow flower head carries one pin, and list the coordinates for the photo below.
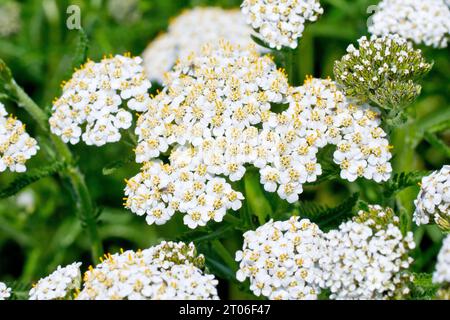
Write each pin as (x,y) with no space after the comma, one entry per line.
(319,114)
(5,292)
(189,32)
(213,118)
(441,275)
(281,259)
(280,23)
(167,271)
(93,104)
(16,146)
(207,113)
(367,258)
(60,285)
(383,70)
(433,201)
(423,22)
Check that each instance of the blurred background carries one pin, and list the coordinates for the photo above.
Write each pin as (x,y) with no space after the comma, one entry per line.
(39,228)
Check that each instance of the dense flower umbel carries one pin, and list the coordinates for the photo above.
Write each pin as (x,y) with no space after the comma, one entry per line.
(93,101)
(208,112)
(16,146)
(214,117)
(5,292)
(187,34)
(167,271)
(60,285)
(281,22)
(367,258)
(426,22)
(433,201)
(383,70)
(318,115)
(442,273)
(281,259)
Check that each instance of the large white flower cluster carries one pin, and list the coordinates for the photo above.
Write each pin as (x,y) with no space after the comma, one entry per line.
(424,22)
(167,271)
(318,115)
(61,284)
(433,201)
(191,30)
(92,106)
(5,292)
(366,258)
(281,259)
(16,146)
(281,22)
(214,118)
(442,273)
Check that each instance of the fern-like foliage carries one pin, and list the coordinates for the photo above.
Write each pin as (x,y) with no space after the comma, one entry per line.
(33,175)
(423,288)
(325,217)
(401,181)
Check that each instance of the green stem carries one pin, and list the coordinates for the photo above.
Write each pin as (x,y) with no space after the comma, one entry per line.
(256,199)
(83,198)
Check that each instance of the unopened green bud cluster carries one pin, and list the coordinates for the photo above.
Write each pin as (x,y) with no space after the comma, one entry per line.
(382,70)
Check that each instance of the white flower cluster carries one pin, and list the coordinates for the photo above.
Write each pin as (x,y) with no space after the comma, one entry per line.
(160,190)
(281,260)
(168,271)
(92,103)
(442,272)
(191,30)
(16,146)
(207,112)
(59,285)
(5,292)
(426,22)
(214,117)
(367,258)
(281,22)
(433,201)
(318,115)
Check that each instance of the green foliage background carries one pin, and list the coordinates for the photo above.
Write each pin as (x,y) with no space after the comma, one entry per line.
(35,238)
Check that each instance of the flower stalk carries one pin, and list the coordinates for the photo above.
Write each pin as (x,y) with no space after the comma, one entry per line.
(84,201)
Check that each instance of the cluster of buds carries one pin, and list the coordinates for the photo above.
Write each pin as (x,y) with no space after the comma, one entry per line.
(383,70)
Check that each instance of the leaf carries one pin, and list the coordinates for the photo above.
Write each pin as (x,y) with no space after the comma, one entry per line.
(81,50)
(403,180)
(422,287)
(328,218)
(200,236)
(30,177)
(437,143)
(113,166)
